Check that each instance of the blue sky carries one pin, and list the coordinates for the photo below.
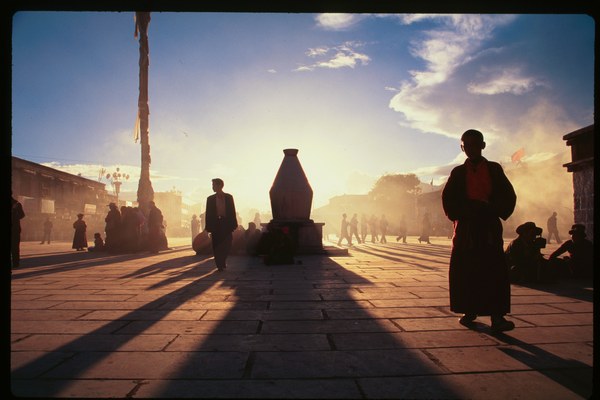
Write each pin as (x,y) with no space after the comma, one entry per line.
(360,95)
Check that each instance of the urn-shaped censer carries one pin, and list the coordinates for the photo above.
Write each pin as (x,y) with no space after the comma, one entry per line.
(291,202)
(291,195)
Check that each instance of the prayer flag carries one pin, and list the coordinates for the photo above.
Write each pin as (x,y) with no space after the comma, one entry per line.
(517,155)
(136,130)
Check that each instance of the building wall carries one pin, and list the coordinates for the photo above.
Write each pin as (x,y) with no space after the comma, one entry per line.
(583,197)
(46,192)
(581,142)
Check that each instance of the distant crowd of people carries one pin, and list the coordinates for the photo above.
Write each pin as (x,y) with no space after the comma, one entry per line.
(378,229)
(127,230)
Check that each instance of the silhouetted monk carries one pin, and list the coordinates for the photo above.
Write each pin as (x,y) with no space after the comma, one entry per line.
(476,196)
(221,221)
(80,235)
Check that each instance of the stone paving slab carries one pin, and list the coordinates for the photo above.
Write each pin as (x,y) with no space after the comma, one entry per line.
(373,324)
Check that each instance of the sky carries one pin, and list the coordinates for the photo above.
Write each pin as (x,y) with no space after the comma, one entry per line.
(359,95)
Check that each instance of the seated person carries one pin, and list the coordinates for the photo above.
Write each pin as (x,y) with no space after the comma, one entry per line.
(580,262)
(524,257)
(98,243)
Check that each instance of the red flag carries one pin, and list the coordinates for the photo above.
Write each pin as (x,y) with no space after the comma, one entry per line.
(517,155)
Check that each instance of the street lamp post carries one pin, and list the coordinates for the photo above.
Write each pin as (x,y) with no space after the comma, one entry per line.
(116,180)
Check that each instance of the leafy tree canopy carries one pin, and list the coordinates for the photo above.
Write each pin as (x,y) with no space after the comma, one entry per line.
(395,186)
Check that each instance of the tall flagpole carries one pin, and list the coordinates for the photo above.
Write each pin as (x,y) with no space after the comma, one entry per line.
(145,193)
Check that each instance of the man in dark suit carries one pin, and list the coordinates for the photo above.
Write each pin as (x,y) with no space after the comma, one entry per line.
(221,221)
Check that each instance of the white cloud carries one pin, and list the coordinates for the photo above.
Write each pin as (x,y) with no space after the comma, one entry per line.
(343,56)
(319,51)
(509,80)
(337,21)
(455,42)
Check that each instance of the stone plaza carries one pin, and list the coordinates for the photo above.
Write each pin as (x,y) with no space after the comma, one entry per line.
(373,324)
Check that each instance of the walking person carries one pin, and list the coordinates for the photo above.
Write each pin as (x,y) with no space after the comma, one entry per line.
(383,225)
(402,230)
(221,221)
(80,236)
(364,223)
(354,228)
(476,196)
(553,228)
(344,231)
(17,214)
(373,222)
(425,229)
(47,231)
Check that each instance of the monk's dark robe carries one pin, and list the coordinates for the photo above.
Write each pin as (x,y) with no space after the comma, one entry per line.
(478,276)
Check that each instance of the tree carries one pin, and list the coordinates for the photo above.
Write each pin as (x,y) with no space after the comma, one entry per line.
(394,196)
(393,187)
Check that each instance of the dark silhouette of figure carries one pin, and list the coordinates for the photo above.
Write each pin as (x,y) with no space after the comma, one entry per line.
(80,236)
(133,228)
(383,226)
(425,229)
(238,244)
(580,261)
(344,231)
(524,257)
(17,214)
(221,221)
(354,228)
(402,230)
(156,234)
(477,195)
(195,224)
(553,228)
(98,243)
(112,228)
(141,227)
(373,225)
(279,247)
(257,222)
(47,231)
(364,224)
(252,236)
